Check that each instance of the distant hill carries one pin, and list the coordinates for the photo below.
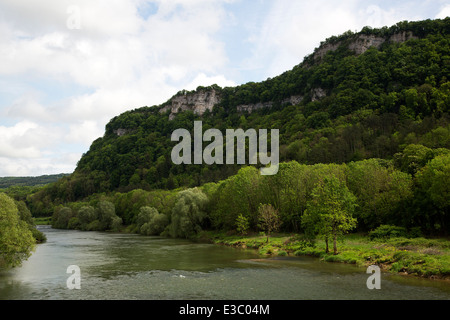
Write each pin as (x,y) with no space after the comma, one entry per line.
(358,96)
(6,182)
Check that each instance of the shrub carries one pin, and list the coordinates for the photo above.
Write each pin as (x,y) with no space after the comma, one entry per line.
(188,213)
(74,223)
(387,231)
(242,224)
(150,222)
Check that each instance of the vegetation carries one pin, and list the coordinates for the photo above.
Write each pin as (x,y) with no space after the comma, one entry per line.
(365,149)
(16,237)
(6,182)
(329,212)
(416,256)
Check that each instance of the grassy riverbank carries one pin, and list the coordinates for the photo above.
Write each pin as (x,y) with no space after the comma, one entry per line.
(417,256)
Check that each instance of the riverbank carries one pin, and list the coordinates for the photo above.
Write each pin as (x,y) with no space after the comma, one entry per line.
(428,258)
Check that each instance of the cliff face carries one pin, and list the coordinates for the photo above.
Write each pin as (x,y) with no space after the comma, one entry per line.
(197,102)
(362,42)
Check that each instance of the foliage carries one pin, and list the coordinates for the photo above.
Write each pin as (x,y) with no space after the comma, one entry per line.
(150,222)
(242,224)
(269,221)
(387,231)
(16,239)
(8,182)
(188,215)
(329,212)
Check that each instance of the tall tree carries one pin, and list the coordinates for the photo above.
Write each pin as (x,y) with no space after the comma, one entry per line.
(16,240)
(329,212)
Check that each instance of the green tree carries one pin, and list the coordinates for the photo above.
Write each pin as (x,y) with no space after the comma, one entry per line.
(329,212)
(188,213)
(242,224)
(16,240)
(434,182)
(151,222)
(86,215)
(107,216)
(61,217)
(269,220)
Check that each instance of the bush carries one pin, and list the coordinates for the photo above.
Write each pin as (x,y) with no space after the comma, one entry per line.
(38,235)
(242,224)
(74,223)
(150,222)
(188,213)
(387,231)
(93,226)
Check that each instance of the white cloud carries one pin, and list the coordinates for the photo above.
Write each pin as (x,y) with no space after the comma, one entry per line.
(444,12)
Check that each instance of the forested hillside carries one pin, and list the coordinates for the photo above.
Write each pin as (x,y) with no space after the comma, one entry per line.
(6,182)
(380,94)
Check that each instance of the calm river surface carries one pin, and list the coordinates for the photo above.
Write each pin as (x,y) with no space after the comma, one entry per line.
(126,266)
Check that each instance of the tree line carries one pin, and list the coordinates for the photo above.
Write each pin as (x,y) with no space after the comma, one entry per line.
(411,192)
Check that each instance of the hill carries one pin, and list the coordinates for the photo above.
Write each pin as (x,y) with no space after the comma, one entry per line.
(6,182)
(358,96)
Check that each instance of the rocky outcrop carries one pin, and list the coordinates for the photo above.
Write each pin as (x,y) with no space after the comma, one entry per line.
(293,100)
(362,42)
(121,132)
(197,102)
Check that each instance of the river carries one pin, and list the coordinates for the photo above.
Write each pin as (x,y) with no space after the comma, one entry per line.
(130,267)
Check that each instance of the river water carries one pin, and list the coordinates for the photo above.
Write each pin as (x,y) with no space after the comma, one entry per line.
(128,266)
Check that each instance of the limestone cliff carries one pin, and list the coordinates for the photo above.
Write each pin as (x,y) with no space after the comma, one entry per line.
(198,102)
(360,43)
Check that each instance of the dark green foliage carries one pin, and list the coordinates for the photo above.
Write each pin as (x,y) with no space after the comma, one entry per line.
(6,182)
(150,222)
(188,213)
(387,231)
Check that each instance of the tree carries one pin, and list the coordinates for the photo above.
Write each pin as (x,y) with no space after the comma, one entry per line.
(16,240)
(188,213)
(107,216)
(61,217)
(242,224)
(433,182)
(269,221)
(86,215)
(329,211)
(151,222)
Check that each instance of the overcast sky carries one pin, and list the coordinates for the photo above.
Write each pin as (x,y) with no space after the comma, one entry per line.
(68,66)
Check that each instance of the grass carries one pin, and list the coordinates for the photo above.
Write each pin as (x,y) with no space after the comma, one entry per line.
(423,257)
(43,220)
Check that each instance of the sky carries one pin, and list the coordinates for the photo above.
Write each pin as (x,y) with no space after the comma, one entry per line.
(68,66)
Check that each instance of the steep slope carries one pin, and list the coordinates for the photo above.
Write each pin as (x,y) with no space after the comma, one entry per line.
(358,96)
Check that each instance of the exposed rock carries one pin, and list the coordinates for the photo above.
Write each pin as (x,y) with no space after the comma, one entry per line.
(293,100)
(121,132)
(317,94)
(254,106)
(402,36)
(197,102)
(362,42)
